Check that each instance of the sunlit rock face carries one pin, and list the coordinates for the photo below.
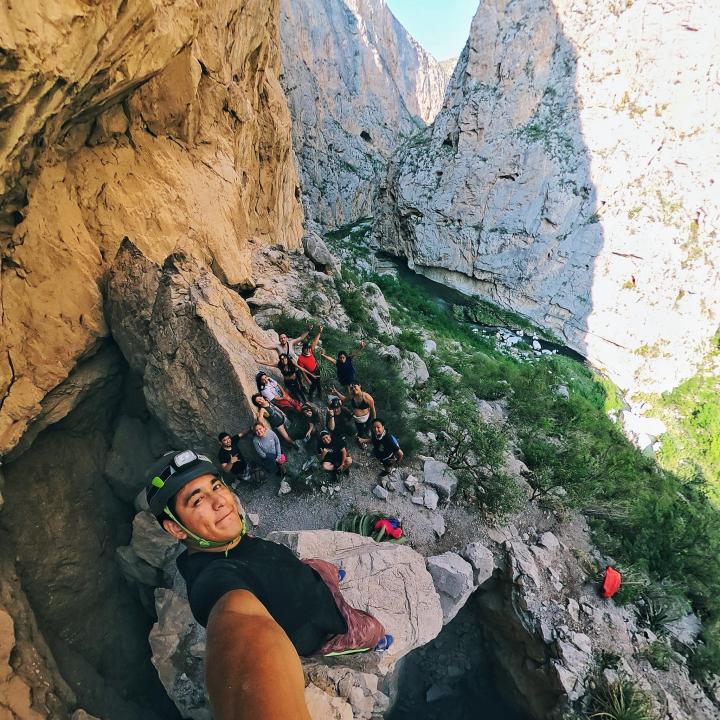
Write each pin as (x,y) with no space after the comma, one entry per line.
(163,122)
(572,176)
(356,83)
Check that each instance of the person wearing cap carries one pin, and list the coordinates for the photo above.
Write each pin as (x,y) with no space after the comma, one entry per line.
(261,605)
(333,412)
(333,453)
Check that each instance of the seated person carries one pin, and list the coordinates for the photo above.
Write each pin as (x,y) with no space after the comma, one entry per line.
(267,446)
(386,448)
(333,412)
(270,389)
(256,598)
(311,422)
(230,457)
(333,453)
(276,418)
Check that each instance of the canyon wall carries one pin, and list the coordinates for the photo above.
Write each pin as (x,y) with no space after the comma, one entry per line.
(356,83)
(572,176)
(162,122)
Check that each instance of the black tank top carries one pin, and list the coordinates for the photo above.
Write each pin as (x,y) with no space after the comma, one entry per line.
(362,405)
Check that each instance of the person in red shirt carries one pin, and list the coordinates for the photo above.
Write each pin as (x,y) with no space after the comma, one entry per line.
(307,361)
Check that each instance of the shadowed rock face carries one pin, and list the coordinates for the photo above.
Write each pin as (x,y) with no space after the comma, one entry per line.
(570,177)
(356,84)
(163,122)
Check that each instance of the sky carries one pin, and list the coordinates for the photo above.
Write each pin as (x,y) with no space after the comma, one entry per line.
(440,26)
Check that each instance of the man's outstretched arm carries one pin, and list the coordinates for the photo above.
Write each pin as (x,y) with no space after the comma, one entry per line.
(252,671)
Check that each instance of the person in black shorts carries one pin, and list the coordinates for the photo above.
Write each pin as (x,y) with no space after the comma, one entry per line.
(311,422)
(386,448)
(333,453)
(256,598)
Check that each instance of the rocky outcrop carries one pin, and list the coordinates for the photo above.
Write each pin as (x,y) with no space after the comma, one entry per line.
(356,84)
(192,339)
(161,122)
(389,581)
(568,178)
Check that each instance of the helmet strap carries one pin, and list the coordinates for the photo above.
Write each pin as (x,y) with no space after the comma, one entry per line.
(201,541)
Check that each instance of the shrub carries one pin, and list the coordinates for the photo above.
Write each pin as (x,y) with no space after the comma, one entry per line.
(475,450)
(620,700)
(659,654)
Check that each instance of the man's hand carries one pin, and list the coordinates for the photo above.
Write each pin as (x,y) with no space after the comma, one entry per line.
(252,671)
(234,459)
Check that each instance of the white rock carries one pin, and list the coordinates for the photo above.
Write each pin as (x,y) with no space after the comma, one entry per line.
(453,578)
(536,345)
(254,518)
(411,482)
(380,492)
(550,541)
(482,561)
(285,488)
(438,475)
(418,499)
(437,523)
(430,498)
(429,346)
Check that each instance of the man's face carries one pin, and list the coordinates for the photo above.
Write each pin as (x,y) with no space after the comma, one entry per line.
(207,508)
(260,430)
(326,439)
(306,351)
(226,442)
(378,429)
(283,339)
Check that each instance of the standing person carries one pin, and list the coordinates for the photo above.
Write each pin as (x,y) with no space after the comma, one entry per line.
(276,418)
(286,345)
(308,362)
(292,377)
(229,456)
(333,453)
(386,448)
(270,389)
(344,364)
(261,605)
(267,446)
(363,410)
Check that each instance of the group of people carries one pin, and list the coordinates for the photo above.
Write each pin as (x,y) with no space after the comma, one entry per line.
(301,384)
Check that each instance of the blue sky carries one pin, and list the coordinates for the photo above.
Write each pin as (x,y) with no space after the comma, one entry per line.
(440,26)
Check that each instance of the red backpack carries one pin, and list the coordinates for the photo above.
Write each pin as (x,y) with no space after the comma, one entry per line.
(611,582)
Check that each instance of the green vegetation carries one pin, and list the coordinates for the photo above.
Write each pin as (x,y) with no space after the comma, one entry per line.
(659,654)
(619,700)
(656,521)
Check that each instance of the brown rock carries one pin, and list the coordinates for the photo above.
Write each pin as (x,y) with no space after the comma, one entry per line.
(160,122)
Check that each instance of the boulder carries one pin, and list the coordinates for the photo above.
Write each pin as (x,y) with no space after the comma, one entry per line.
(390,581)
(439,476)
(380,492)
(413,369)
(430,498)
(151,543)
(429,346)
(316,249)
(323,706)
(482,561)
(454,582)
(377,308)
(192,339)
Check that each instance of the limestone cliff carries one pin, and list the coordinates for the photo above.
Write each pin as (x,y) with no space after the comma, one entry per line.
(163,122)
(571,176)
(356,84)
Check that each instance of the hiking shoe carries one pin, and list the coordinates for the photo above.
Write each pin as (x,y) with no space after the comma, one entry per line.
(385,642)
